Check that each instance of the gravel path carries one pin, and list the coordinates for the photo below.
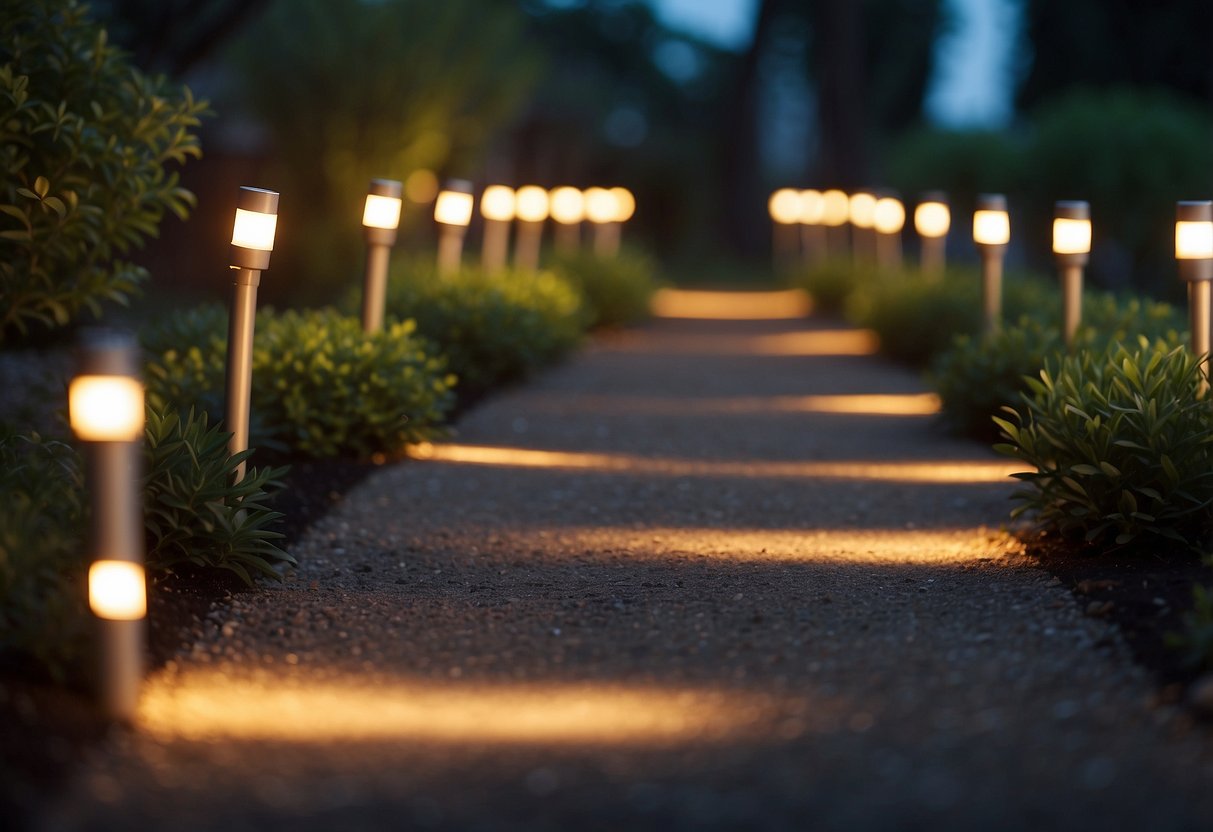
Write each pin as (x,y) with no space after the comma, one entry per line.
(724,587)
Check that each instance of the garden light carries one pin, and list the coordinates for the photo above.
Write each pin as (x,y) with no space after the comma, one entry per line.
(105,408)
(812,231)
(530,209)
(784,208)
(252,243)
(861,213)
(1194,252)
(626,203)
(601,209)
(567,207)
(932,220)
(1072,247)
(497,208)
(380,218)
(888,218)
(835,208)
(453,213)
(991,233)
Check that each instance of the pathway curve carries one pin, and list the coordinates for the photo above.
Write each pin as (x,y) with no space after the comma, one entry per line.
(708,574)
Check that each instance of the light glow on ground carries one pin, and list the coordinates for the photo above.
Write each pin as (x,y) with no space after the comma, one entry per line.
(883,404)
(944,471)
(731,306)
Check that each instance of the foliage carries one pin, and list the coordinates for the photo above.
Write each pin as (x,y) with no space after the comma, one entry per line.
(831,283)
(85,144)
(616,290)
(194,513)
(961,163)
(1121,444)
(42,607)
(493,328)
(1196,639)
(321,386)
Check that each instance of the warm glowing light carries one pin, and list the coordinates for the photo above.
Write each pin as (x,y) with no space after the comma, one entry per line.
(626,202)
(937,471)
(863,404)
(421,186)
(381,212)
(567,205)
(889,215)
(784,206)
(991,228)
(836,208)
(117,590)
(453,208)
(862,210)
(731,306)
(1071,236)
(812,207)
(600,205)
(1193,240)
(106,408)
(531,203)
(497,203)
(932,219)
(255,230)
(202,706)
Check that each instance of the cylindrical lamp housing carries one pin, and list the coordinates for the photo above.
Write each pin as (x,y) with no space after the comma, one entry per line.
(1194,240)
(455,203)
(254,228)
(932,218)
(381,213)
(991,224)
(1072,232)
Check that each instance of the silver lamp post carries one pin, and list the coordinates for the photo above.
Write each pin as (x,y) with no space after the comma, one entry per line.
(497,206)
(1072,248)
(453,213)
(380,219)
(105,407)
(812,231)
(1194,253)
(932,220)
(991,233)
(567,209)
(531,206)
(888,219)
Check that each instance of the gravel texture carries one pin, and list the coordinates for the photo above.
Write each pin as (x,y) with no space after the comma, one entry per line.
(709,614)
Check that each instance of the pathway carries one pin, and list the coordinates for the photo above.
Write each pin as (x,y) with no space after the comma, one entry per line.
(708,574)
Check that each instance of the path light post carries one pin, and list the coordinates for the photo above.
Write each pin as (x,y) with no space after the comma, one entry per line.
(1072,247)
(1194,251)
(991,233)
(812,232)
(932,219)
(252,243)
(888,219)
(835,210)
(531,210)
(601,209)
(862,214)
(105,408)
(567,207)
(784,207)
(453,213)
(380,219)
(625,208)
(497,208)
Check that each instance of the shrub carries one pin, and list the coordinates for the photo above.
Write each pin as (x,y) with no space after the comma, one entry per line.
(84,144)
(616,290)
(832,282)
(1121,444)
(42,607)
(493,329)
(321,386)
(193,513)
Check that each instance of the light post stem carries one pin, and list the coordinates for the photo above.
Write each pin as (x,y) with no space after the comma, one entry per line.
(450,249)
(1198,304)
(606,238)
(1071,295)
(568,236)
(814,240)
(888,252)
(241,323)
(374,287)
(785,246)
(496,244)
(934,257)
(526,249)
(991,291)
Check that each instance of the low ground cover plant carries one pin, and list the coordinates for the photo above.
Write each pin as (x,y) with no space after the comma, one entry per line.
(616,290)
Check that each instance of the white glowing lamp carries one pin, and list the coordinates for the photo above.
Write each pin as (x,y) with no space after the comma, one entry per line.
(454,204)
(1072,231)
(256,219)
(382,210)
(117,590)
(601,206)
(531,203)
(932,218)
(835,208)
(889,216)
(862,210)
(106,408)
(1194,231)
(991,223)
(784,206)
(625,202)
(498,203)
(812,207)
(567,205)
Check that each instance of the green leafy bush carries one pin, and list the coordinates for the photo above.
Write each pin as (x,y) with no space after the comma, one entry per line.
(43,614)
(1121,444)
(84,143)
(832,282)
(321,386)
(493,328)
(616,290)
(193,513)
